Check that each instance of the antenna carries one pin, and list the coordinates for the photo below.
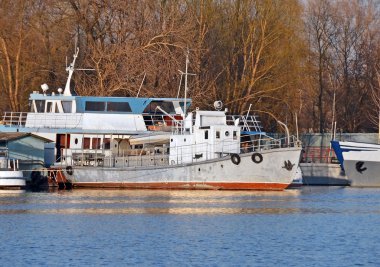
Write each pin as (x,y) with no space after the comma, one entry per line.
(142,82)
(180,83)
(70,69)
(186,73)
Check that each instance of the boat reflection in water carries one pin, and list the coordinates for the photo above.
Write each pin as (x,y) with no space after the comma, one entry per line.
(159,202)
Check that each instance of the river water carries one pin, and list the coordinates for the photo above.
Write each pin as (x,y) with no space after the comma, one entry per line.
(311,226)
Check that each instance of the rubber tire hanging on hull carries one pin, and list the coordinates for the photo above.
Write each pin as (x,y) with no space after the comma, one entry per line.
(235,158)
(257,158)
(69,170)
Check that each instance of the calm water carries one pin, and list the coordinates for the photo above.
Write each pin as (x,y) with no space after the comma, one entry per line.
(312,226)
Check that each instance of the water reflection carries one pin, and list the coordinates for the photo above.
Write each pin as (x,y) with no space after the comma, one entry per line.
(150,202)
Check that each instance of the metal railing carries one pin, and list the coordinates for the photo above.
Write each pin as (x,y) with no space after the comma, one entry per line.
(318,155)
(15,118)
(178,154)
(47,120)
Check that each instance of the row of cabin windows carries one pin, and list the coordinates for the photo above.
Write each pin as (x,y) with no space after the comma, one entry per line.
(108,106)
(226,133)
(98,106)
(40,106)
(95,142)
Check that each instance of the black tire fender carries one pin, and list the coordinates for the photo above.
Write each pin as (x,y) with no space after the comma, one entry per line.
(69,170)
(257,158)
(235,158)
(35,176)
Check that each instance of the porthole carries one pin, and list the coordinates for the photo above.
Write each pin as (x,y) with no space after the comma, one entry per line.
(76,141)
(227,133)
(171,140)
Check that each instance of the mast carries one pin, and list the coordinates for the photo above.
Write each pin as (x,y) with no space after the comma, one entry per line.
(70,70)
(186,73)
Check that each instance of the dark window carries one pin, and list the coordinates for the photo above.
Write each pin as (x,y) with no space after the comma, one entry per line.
(95,106)
(86,143)
(107,143)
(235,135)
(40,105)
(49,107)
(66,105)
(167,106)
(217,134)
(95,143)
(118,107)
(206,134)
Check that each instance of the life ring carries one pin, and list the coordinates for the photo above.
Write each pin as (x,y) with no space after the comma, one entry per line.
(257,158)
(69,170)
(235,158)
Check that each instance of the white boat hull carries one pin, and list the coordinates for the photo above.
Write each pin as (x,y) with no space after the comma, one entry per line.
(362,168)
(12,179)
(270,174)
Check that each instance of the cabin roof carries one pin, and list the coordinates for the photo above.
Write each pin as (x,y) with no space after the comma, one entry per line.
(15,136)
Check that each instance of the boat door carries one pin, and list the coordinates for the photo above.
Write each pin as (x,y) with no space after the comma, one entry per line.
(62,142)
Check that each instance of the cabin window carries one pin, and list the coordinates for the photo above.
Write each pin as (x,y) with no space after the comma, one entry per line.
(67,106)
(206,134)
(40,105)
(86,143)
(49,107)
(118,107)
(95,143)
(107,143)
(235,135)
(95,106)
(217,134)
(56,109)
(167,106)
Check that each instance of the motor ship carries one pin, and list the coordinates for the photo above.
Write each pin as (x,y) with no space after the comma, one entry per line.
(136,142)
(360,162)
(10,175)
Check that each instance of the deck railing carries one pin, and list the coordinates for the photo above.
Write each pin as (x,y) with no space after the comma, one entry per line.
(15,118)
(158,156)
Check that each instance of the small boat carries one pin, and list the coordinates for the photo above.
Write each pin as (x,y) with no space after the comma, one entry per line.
(10,176)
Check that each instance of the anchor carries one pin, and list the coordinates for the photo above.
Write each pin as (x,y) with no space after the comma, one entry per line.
(288,165)
(359,166)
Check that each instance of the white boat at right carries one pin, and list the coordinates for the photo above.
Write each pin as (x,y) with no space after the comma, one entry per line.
(362,168)
(360,161)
